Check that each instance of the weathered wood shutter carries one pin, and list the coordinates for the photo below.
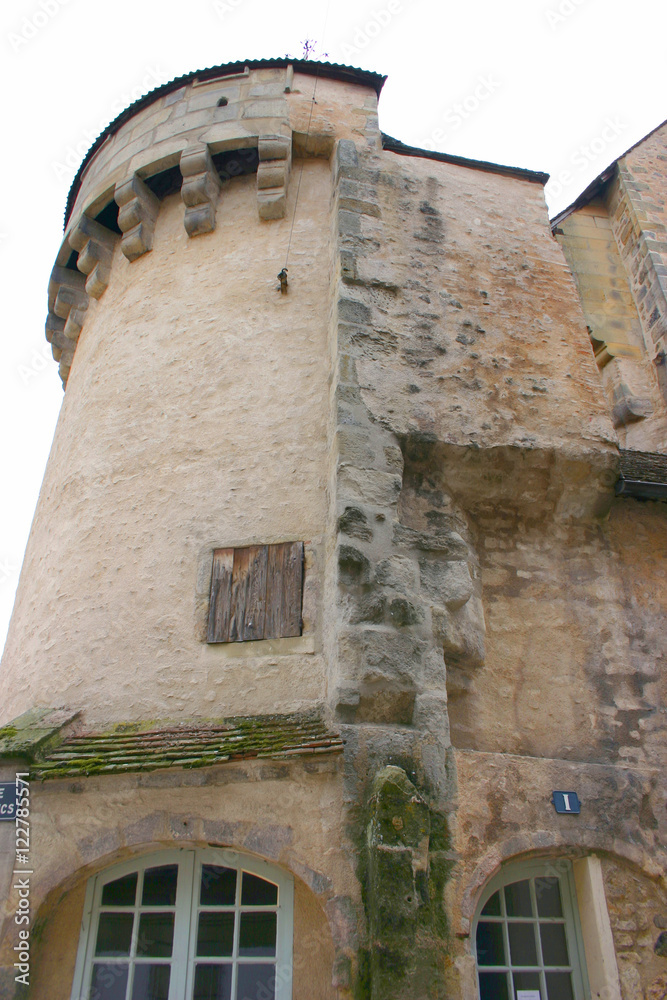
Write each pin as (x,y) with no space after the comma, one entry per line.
(256,593)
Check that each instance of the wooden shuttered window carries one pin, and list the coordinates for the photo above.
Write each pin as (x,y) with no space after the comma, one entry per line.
(256,593)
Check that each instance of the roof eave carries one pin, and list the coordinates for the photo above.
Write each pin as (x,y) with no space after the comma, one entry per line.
(396,146)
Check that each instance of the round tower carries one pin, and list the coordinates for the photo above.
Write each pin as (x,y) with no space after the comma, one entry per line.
(195,412)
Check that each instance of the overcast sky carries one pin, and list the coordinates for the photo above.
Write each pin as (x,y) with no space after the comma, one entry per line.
(563,86)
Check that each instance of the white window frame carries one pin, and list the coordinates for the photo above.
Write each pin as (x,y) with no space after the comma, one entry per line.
(189,861)
(560,868)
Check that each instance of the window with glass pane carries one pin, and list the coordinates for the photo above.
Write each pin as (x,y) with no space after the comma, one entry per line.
(526,935)
(201,925)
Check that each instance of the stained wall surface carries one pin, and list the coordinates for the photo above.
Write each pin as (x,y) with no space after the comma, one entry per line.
(195,417)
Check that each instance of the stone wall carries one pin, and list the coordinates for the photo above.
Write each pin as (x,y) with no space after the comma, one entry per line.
(483,622)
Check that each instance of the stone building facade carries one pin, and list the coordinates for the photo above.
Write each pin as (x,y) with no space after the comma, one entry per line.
(409,439)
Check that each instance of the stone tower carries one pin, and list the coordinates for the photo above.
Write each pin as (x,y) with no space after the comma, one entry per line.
(328,597)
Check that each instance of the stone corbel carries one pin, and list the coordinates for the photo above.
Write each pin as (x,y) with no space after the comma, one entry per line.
(54,331)
(628,409)
(275,159)
(200,190)
(68,300)
(62,348)
(139,208)
(95,245)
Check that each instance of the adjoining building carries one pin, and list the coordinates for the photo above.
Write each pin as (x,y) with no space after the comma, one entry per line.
(337,662)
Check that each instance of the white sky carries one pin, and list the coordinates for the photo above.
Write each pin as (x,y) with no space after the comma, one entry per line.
(554,85)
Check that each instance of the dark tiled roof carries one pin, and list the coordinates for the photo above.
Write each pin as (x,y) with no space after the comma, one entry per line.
(643,475)
(125,749)
(597,185)
(331,71)
(396,146)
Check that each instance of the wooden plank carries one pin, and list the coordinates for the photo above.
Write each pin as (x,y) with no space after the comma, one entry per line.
(292,590)
(284,590)
(274,593)
(255,606)
(220,600)
(239,595)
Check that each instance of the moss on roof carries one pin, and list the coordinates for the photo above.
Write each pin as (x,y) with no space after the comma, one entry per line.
(149,747)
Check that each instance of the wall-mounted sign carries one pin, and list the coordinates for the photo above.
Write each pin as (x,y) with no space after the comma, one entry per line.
(7,800)
(566,802)
(527,995)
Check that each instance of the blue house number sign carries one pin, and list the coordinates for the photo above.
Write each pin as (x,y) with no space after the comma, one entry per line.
(7,800)
(566,802)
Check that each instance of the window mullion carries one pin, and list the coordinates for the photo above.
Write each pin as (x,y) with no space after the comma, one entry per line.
(185,911)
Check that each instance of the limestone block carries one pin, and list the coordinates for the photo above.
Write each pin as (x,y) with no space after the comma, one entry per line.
(462,633)
(54,331)
(68,301)
(74,323)
(448,542)
(369,486)
(275,155)
(200,190)
(174,97)
(139,208)
(381,655)
(346,159)
(354,448)
(273,147)
(98,280)
(265,109)
(367,271)
(95,245)
(272,204)
(64,369)
(628,409)
(399,573)
(272,174)
(448,583)
(354,522)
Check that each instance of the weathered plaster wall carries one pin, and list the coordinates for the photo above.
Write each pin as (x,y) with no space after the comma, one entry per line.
(505,813)
(575,639)
(195,416)
(287,813)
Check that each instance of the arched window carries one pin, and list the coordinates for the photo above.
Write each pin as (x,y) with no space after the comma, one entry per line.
(527,935)
(198,924)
